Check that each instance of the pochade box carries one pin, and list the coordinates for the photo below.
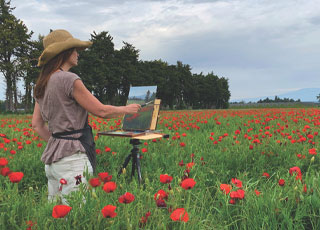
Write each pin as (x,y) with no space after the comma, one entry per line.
(145,121)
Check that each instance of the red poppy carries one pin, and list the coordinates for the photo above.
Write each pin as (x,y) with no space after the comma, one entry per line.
(188,183)
(63,181)
(161,203)
(108,211)
(15,177)
(305,188)
(3,161)
(179,215)
(165,178)
(237,182)
(182,144)
(78,179)
(144,219)
(257,192)
(5,171)
(107,149)
(30,224)
(28,142)
(126,198)
(161,194)
(281,182)
(13,152)
(94,182)
(239,194)
(226,188)
(181,163)
(39,145)
(189,165)
(144,150)
(109,187)
(6,140)
(312,151)
(297,171)
(232,201)
(60,211)
(104,176)
(266,175)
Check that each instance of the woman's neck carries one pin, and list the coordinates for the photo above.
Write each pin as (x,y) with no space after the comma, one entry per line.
(65,67)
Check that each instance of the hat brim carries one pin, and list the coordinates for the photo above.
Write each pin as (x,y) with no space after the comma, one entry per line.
(54,49)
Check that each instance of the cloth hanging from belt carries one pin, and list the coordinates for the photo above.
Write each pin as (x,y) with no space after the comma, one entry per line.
(86,139)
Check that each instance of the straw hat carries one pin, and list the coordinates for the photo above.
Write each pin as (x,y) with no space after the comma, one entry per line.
(58,41)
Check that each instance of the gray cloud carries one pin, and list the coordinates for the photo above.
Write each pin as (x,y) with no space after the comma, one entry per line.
(263,47)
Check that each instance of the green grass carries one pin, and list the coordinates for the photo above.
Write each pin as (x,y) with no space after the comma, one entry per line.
(277,207)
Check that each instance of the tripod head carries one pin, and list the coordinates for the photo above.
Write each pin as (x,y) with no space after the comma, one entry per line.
(135,142)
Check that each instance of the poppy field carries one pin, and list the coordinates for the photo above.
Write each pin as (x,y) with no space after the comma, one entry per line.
(219,169)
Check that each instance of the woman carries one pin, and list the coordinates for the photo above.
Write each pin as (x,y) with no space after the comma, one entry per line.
(63,101)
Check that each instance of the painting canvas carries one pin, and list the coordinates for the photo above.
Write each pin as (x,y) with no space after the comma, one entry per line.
(145,96)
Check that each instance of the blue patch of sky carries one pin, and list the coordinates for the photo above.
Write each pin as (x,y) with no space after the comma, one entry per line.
(136,91)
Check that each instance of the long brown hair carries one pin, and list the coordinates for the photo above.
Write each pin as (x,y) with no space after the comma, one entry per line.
(48,69)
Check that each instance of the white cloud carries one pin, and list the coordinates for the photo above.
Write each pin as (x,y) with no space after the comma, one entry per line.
(263,47)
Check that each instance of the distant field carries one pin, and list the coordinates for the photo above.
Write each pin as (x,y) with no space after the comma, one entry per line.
(230,169)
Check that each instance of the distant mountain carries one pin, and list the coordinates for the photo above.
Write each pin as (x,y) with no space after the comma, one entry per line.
(305,95)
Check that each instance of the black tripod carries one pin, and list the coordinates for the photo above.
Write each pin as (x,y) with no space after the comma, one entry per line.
(135,156)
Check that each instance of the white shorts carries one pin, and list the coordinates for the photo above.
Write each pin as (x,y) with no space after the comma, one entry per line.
(72,169)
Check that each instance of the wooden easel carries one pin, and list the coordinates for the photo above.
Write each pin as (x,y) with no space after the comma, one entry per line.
(135,142)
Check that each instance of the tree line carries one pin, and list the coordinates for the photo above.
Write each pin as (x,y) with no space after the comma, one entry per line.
(107,72)
(277,100)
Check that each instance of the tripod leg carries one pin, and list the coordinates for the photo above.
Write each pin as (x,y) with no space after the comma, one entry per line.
(138,168)
(134,163)
(126,162)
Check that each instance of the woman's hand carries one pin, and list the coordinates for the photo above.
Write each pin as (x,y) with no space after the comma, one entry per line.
(132,108)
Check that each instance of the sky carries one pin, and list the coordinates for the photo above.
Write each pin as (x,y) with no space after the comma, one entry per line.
(263,47)
(142,90)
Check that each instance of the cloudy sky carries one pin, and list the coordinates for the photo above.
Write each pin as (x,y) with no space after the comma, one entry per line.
(264,47)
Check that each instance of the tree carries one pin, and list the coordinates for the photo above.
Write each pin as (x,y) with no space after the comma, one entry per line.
(125,68)
(31,74)
(96,68)
(14,38)
(147,98)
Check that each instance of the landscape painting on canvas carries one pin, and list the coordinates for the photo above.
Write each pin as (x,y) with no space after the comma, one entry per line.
(145,96)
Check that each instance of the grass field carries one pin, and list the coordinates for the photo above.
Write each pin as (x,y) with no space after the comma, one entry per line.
(219,169)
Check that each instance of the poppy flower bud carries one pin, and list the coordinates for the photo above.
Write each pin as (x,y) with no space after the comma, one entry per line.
(312,159)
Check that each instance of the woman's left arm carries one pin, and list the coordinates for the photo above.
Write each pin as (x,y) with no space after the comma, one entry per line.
(39,125)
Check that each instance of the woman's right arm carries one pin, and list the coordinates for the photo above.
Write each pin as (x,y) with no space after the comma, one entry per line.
(90,103)
(39,125)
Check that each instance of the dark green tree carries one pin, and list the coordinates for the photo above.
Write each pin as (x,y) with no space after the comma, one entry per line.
(96,68)
(31,71)
(125,69)
(14,37)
